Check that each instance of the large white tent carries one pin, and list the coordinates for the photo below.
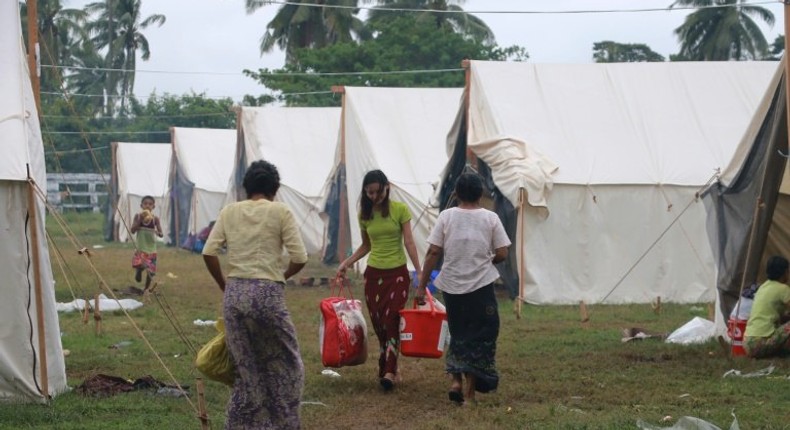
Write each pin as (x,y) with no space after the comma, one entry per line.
(140,169)
(605,162)
(31,355)
(202,169)
(403,132)
(301,142)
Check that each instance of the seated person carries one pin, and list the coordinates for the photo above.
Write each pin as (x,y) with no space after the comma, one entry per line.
(768,330)
(203,235)
(201,238)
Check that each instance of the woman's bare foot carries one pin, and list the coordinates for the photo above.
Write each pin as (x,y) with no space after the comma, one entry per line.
(469,393)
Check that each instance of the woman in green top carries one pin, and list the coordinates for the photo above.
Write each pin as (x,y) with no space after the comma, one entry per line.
(768,330)
(386,229)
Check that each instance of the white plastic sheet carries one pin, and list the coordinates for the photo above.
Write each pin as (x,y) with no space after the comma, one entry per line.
(105,304)
(689,423)
(698,330)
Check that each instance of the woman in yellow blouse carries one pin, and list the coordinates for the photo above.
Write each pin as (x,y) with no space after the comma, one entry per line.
(259,333)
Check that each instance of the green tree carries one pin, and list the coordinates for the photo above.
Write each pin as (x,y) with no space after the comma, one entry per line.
(66,129)
(400,44)
(722,33)
(612,52)
(84,147)
(117,30)
(777,49)
(59,34)
(188,110)
(301,26)
(87,76)
(442,13)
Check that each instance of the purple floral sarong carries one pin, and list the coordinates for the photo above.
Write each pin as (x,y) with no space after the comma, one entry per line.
(262,341)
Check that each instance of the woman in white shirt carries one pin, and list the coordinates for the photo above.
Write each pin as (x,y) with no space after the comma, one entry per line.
(472,239)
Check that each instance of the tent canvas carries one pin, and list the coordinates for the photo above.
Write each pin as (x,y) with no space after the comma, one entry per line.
(28,319)
(201,172)
(301,142)
(605,161)
(140,169)
(403,132)
(749,206)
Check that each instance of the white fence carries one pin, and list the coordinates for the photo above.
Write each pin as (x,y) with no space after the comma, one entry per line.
(78,191)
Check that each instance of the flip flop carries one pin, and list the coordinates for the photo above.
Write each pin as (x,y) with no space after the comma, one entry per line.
(456,396)
(387,384)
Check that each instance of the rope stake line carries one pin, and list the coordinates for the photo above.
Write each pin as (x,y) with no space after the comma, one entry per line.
(103,284)
(661,236)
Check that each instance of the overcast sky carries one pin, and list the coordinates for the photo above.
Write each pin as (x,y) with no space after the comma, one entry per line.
(218,38)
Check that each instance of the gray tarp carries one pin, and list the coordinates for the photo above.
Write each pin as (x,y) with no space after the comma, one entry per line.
(742,242)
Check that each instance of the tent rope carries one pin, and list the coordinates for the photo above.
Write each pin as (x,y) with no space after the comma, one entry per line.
(171,317)
(686,234)
(661,236)
(103,284)
(61,263)
(90,149)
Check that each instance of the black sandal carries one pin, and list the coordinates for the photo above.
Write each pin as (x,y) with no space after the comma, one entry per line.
(456,396)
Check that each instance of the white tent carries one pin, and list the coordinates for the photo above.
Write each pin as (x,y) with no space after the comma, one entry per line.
(202,169)
(31,355)
(301,142)
(403,132)
(608,159)
(140,169)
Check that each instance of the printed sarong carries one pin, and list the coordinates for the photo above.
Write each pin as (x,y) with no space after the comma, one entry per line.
(776,345)
(145,261)
(386,292)
(262,341)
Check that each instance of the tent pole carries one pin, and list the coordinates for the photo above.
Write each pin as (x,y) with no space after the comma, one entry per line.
(113,194)
(343,221)
(32,63)
(520,250)
(174,188)
(471,158)
(240,159)
(758,205)
(32,57)
(42,344)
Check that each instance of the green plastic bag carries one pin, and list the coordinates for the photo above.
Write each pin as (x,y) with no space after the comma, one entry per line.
(213,360)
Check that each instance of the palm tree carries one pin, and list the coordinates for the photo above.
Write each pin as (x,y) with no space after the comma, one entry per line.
(117,29)
(453,16)
(722,33)
(60,31)
(89,76)
(301,26)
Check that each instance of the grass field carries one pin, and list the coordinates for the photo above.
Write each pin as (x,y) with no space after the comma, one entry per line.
(555,372)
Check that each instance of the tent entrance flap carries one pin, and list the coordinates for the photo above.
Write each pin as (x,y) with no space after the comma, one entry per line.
(748,210)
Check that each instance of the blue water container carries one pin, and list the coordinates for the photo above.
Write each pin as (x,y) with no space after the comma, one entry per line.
(431,287)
